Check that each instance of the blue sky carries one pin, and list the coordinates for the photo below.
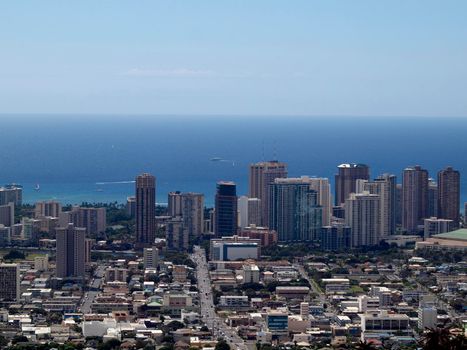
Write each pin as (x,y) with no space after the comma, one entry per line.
(371,58)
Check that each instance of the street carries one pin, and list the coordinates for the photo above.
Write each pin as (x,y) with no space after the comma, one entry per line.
(94,286)
(208,312)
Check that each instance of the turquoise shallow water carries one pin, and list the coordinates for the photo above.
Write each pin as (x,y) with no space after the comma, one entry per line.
(67,155)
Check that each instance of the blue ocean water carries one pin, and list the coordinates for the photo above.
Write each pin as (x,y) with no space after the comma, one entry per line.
(69,154)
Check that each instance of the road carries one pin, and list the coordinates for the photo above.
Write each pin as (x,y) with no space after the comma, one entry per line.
(314,289)
(208,312)
(94,289)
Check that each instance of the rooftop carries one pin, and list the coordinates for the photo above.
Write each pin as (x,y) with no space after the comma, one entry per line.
(460,235)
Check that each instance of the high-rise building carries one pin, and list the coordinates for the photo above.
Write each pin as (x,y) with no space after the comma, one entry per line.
(174,204)
(294,210)
(362,214)
(178,237)
(414,198)
(145,210)
(131,206)
(432,205)
(11,193)
(449,195)
(242,205)
(263,174)
(435,226)
(93,219)
(190,207)
(5,235)
(7,214)
(226,209)
(9,282)
(427,312)
(323,188)
(336,237)
(71,255)
(398,205)
(345,180)
(385,187)
(30,230)
(151,257)
(47,208)
(254,211)
(88,243)
(249,211)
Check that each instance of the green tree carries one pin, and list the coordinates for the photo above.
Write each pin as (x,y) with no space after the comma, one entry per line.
(222,345)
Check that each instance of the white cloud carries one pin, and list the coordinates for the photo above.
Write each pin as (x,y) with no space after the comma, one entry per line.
(169,73)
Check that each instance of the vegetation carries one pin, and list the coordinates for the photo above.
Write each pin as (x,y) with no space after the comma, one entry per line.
(222,345)
(14,255)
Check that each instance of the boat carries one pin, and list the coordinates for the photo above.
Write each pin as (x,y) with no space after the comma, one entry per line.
(37,188)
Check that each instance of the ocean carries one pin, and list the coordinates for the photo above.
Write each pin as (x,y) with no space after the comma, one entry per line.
(77,158)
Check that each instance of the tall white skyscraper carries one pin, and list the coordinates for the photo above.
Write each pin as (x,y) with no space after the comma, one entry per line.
(385,187)
(323,188)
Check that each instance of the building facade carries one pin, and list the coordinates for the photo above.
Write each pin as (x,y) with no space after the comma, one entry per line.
(294,213)
(9,282)
(414,198)
(362,215)
(71,256)
(263,174)
(145,210)
(226,216)
(345,180)
(449,195)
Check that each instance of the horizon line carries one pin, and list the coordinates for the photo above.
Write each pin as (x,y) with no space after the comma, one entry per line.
(210,115)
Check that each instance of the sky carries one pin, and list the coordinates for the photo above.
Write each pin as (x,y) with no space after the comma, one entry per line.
(261,57)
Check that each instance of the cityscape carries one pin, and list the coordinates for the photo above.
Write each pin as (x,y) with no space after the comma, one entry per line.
(377,262)
(233,175)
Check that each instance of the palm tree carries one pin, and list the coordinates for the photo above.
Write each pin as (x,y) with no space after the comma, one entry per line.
(436,338)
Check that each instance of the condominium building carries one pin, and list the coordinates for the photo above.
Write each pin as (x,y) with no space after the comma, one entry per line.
(345,180)
(71,258)
(7,214)
(47,208)
(9,282)
(145,210)
(151,257)
(131,206)
(92,219)
(178,236)
(449,195)
(190,207)
(414,198)
(385,187)
(295,212)
(11,193)
(263,174)
(362,214)
(335,237)
(323,189)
